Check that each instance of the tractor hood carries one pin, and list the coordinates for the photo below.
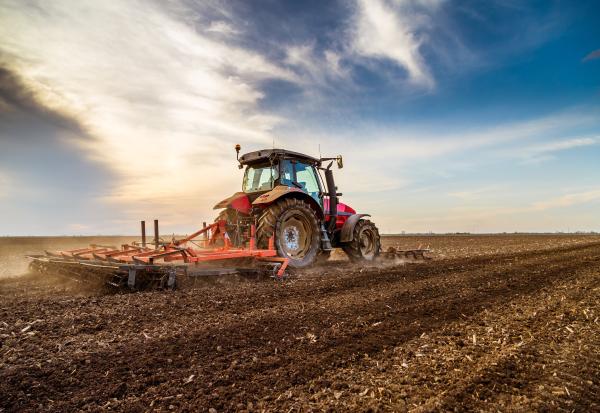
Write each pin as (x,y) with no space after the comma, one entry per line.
(238,201)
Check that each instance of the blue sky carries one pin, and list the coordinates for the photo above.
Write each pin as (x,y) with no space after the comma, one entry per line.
(451,115)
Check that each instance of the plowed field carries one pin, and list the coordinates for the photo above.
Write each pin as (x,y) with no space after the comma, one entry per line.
(492,323)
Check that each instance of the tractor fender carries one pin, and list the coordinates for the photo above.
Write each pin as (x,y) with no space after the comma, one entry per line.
(282,191)
(348,229)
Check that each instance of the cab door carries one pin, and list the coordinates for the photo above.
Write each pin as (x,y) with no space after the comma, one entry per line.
(303,176)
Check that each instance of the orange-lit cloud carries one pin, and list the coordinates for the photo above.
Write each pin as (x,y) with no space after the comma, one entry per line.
(162,102)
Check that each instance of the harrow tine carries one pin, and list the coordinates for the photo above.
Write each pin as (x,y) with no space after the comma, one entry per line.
(416,254)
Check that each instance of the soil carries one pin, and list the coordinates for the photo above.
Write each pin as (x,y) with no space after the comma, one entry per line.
(491,323)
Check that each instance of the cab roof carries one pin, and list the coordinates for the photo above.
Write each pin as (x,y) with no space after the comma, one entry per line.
(265,155)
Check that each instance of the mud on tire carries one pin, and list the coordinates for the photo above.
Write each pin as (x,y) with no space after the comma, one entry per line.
(296,230)
(365,244)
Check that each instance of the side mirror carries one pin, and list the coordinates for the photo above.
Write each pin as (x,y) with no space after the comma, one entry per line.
(340,161)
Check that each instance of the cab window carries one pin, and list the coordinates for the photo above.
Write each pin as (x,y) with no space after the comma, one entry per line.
(259,178)
(298,174)
(287,173)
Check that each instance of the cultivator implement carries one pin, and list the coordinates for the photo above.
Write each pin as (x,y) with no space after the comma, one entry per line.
(137,266)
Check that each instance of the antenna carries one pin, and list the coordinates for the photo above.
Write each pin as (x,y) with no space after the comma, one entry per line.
(319,151)
(273,142)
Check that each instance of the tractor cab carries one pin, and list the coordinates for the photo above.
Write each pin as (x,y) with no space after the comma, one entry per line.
(287,170)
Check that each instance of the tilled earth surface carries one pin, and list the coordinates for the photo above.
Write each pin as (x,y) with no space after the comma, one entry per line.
(490,324)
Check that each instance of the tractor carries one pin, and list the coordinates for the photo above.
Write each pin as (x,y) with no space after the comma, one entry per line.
(292,198)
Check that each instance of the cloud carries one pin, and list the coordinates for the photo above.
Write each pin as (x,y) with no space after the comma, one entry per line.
(563,145)
(393,31)
(544,151)
(317,70)
(568,200)
(592,55)
(222,27)
(163,103)
(18,103)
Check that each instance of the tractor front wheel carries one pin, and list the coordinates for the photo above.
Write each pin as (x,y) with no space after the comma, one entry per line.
(296,229)
(365,244)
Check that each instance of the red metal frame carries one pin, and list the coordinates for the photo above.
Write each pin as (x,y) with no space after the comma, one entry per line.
(177,251)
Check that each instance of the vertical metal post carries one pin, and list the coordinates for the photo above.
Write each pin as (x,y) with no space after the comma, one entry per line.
(272,242)
(156,233)
(144,234)
(252,236)
(204,236)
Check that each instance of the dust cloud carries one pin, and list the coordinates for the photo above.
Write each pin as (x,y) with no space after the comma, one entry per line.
(13,250)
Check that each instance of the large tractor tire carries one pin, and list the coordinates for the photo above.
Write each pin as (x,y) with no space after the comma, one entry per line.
(365,244)
(296,228)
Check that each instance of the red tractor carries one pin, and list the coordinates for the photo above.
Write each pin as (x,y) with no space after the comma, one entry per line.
(293,197)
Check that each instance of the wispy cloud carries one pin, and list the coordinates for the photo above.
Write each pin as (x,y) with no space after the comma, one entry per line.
(376,33)
(385,30)
(544,151)
(222,27)
(568,200)
(316,69)
(592,55)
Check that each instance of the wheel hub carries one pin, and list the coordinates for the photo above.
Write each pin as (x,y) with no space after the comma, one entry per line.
(294,236)
(291,238)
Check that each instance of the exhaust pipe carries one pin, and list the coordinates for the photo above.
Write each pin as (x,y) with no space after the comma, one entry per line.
(333,197)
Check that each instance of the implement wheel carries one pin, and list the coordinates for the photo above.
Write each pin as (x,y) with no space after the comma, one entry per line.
(296,230)
(365,244)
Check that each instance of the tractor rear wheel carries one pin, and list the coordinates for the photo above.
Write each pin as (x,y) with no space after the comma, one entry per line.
(365,244)
(296,229)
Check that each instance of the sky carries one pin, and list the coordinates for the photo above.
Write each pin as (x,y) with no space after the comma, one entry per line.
(451,116)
